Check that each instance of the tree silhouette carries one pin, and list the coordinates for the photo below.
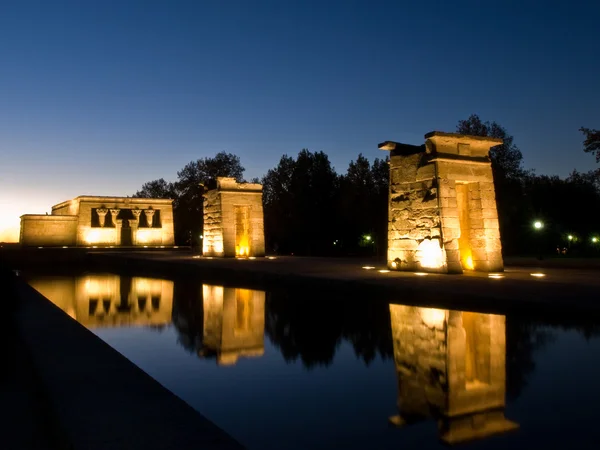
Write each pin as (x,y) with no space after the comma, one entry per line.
(591,144)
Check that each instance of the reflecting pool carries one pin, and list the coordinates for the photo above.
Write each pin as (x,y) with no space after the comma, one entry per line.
(290,370)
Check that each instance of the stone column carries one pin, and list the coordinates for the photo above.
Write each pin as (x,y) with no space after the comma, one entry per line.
(133,224)
(118,226)
(102,216)
(149,216)
(114,212)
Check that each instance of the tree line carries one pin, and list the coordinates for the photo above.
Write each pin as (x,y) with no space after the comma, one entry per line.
(310,209)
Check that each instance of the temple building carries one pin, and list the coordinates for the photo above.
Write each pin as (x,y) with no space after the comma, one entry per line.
(233,220)
(102,221)
(102,301)
(451,367)
(234,323)
(442,205)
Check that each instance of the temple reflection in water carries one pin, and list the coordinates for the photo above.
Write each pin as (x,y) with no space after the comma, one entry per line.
(233,318)
(234,323)
(451,368)
(110,300)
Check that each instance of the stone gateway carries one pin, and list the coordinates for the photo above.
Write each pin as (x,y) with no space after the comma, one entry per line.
(233,220)
(442,205)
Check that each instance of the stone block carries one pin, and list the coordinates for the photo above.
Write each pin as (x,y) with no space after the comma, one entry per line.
(454,267)
(449,213)
(474,204)
(488,204)
(486,186)
(479,254)
(451,245)
(493,244)
(453,256)
(404,244)
(489,214)
(491,223)
(492,233)
(419,233)
(478,233)
(426,172)
(489,195)
(450,233)
(476,214)
(478,243)
(448,202)
(475,222)
(450,222)
(474,194)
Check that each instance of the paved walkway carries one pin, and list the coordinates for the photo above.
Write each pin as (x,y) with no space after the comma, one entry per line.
(516,287)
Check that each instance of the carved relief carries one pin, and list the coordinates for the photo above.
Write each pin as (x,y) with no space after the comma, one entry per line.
(102,215)
(149,216)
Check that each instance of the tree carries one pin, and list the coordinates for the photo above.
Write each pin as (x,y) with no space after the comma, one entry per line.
(591,144)
(300,204)
(158,189)
(363,205)
(509,176)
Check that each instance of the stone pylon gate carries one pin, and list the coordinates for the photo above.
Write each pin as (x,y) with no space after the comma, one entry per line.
(442,205)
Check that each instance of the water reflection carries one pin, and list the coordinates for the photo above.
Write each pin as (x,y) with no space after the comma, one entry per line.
(450,367)
(216,321)
(110,300)
(234,323)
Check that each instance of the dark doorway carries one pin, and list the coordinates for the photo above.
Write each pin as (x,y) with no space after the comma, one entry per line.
(126,240)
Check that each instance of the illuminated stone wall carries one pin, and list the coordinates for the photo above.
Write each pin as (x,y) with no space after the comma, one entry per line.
(98,301)
(102,221)
(234,323)
(233,220)
(450,367)
(442,206)
(41,230)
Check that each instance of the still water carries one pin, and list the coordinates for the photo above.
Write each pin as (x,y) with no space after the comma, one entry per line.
(293,370)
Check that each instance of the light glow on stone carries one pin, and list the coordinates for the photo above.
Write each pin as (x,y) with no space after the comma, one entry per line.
(495,275)
(430,254)
(538,274)
(433,317)
(384,271)
(368,267)
(420,274)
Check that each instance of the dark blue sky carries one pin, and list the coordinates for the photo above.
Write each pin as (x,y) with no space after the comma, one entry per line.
(98,96)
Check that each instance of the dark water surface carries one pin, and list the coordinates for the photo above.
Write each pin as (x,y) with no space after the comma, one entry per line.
(291,370)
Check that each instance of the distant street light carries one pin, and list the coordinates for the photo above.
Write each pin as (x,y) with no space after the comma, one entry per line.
(538,224)
(594,239)
(570,237)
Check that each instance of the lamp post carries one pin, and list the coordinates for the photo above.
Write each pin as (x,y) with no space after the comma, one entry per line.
(538,226)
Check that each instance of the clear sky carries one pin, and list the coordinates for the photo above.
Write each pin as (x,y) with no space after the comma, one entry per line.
(99,96)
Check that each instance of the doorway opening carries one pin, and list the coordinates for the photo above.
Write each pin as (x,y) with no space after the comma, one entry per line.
(464,241)
(242,231)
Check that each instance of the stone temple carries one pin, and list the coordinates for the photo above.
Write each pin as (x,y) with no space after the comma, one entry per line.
(233,220)
(102,221)
(451,367)
(442,205)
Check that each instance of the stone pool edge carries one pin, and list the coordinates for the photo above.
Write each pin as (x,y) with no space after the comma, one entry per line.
(98,399)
